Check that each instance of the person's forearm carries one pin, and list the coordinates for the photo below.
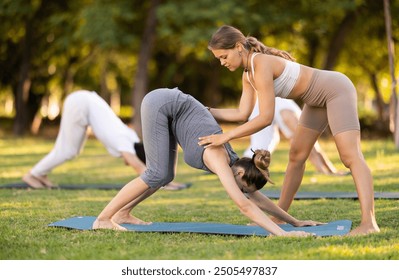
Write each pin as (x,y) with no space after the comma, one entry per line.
(265,204)
(248,128)
(257,216)
(215,161)
(228,115)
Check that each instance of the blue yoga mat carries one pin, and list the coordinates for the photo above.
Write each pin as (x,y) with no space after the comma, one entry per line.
(341,227)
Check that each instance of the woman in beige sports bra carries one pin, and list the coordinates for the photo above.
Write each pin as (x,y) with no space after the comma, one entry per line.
(329,98)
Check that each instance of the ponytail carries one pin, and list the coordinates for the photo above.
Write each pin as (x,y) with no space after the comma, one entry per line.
(227,37)
(254,45)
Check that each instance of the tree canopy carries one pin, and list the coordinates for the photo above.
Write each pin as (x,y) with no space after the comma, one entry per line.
(49,48)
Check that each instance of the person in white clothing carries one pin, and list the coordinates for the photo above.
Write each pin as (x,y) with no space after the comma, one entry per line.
(286,117)
(82,109)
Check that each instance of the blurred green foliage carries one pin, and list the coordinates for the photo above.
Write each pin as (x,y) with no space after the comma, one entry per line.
(94,44)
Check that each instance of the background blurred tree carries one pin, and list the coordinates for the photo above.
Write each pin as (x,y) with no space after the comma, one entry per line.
(25,53)
(140,87)
(394,102)
(96,45)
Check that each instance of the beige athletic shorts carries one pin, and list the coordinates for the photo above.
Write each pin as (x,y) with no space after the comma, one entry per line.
(330,99)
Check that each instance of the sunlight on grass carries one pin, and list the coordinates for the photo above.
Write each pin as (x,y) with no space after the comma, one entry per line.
(85,199)
(357,252)
(16,205)
(24,215)
(11,174)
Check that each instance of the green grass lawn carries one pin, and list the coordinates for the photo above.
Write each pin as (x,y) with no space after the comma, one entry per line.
(24,214)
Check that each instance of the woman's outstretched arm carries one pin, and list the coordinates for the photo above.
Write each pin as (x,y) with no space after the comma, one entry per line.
(217,160)
(265,204)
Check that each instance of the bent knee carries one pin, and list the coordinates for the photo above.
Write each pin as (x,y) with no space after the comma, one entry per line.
(350,159)
(298,155)
(166,181)
(157,180)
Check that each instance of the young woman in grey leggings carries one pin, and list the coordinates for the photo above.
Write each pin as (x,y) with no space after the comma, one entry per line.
(170,118)
(330,98)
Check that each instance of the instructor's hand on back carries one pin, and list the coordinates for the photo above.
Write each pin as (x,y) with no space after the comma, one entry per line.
(213,140)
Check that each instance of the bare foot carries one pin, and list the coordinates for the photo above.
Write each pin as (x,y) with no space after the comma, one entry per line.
(32,181)
(129,219)
(364,230)
(108,224)
(44,180)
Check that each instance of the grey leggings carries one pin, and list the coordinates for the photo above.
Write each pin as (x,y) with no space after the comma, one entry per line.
(171,117)
(330,99)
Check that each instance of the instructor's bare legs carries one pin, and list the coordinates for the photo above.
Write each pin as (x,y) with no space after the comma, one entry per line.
(348,144)
(301,145)
(130,192)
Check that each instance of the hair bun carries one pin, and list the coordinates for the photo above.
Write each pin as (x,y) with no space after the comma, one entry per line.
(262,159)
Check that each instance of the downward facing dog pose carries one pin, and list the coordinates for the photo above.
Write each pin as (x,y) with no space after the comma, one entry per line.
(83,109)
(286,117)
(169,118)
(330,98)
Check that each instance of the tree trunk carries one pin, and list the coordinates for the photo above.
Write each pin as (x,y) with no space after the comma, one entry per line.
(212,86)
(68,78)
(378,97)
(382,123)
(104,90)
(21,123)
(337,41)
(394,103)
(141,79)
(313,44)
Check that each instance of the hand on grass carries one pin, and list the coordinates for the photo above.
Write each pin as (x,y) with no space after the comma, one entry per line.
(307,223)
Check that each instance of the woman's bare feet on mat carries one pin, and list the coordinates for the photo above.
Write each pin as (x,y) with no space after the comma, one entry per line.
(46,182)
(33,181)
(129,219)
(108,224)
(364,230)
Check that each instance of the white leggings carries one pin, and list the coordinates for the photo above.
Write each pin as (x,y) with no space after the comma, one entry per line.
(82,109)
